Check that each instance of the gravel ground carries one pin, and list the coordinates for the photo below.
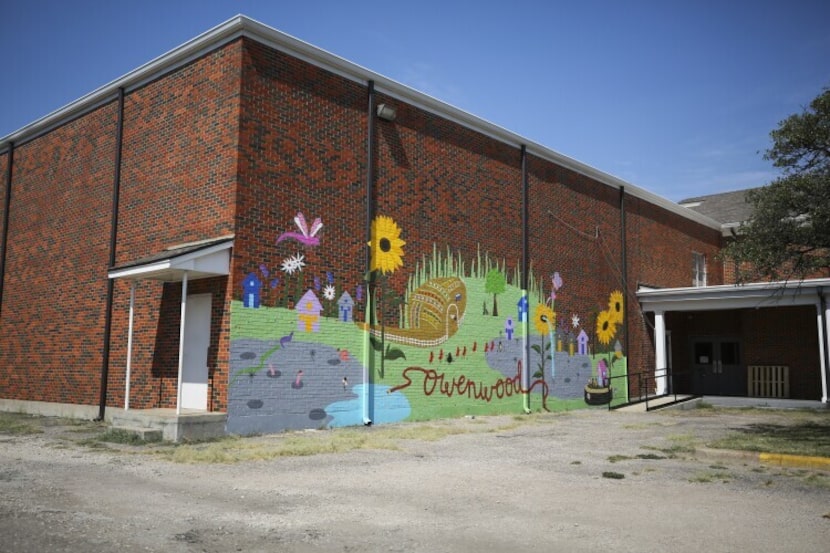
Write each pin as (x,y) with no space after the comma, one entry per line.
(503,484)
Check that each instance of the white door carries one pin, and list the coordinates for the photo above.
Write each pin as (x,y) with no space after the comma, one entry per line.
(196,343)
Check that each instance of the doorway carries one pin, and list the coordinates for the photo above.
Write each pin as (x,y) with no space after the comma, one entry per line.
(195,358)
(716,367)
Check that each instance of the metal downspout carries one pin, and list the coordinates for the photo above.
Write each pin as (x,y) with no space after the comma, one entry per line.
(6,209)
(624,278)
(525,264)
(116,186)
(370,185)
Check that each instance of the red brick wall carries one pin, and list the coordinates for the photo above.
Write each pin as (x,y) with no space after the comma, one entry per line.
(785,336)
(575,230)
(178,185)
(178,178)
(660,247)
(55,283)
(448,186)
(302,148)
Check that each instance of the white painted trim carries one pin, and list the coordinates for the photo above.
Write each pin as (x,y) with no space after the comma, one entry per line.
(660,353)
(749,296)
(207,260)
(181,345)
(129,346)
(824,344)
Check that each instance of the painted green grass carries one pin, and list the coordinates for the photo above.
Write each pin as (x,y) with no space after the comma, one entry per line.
(269,323)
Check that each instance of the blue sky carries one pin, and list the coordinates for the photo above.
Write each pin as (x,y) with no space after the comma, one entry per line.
(675,97)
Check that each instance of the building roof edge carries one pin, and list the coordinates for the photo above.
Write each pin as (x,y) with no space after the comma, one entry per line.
(241,25)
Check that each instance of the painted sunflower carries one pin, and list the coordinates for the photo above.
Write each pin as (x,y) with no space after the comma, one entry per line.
(386,245)
(544,319)
(606,327)
(615,307)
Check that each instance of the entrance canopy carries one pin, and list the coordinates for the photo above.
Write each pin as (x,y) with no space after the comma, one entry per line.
(747,296)
(731,296)
(203,259)
(191,261)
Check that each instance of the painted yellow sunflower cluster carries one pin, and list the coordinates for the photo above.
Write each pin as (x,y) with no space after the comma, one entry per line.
(610,319)
(386,245)
(544,319)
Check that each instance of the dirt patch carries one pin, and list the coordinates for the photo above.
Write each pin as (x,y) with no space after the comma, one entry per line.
(478,484)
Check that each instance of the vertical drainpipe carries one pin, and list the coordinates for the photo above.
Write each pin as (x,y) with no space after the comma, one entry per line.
(624,283)
(116,185)
(6,208)
(525,287)
(370,184)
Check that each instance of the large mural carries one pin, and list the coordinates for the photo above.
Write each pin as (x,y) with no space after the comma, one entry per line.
(311,350)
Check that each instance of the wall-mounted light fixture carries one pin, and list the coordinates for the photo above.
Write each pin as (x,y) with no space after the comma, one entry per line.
(387,112)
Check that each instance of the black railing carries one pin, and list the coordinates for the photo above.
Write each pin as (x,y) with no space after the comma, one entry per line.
(646,388)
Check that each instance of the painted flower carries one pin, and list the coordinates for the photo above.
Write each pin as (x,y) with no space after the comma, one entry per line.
(575,320)
(293,263)
(615,306)
(556,280)
(544,319)
(386,245)
(328,292)
(606,327)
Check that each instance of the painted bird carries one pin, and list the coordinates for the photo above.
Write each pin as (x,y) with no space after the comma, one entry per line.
(306,236)
(285,339)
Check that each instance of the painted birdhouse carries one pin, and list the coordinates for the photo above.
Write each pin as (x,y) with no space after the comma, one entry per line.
(251,291)
(345,305)
(522,305)
(308,312)
(582,342)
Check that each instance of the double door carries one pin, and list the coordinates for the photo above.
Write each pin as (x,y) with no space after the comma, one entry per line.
(717,369)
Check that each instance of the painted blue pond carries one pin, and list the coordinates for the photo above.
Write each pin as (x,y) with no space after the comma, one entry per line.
(384,407)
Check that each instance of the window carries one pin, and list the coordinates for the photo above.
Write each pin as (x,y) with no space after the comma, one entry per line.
(698,269)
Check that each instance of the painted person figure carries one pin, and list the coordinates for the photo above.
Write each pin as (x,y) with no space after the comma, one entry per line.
(508,328)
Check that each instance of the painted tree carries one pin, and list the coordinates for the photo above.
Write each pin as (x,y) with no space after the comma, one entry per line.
(788,234)
(495,283)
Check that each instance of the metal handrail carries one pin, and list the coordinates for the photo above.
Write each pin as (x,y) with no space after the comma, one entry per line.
(644,385)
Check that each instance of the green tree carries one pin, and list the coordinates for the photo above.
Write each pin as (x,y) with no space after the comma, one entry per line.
(788,234)
(495,283)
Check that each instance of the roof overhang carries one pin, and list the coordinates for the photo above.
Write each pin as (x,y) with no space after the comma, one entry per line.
(242,26)
(205,259)
(747,296)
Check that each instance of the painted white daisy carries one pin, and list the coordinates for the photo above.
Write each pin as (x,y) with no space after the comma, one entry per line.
(328,292)
(293,263)
(575,321)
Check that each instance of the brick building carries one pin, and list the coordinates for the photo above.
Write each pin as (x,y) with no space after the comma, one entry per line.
(258,232)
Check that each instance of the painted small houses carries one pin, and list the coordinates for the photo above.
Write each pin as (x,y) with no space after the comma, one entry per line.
(308,312)
(522,306)
(251,291)
(345,306)
(582,342)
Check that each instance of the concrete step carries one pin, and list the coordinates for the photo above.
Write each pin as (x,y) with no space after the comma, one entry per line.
(146,434)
